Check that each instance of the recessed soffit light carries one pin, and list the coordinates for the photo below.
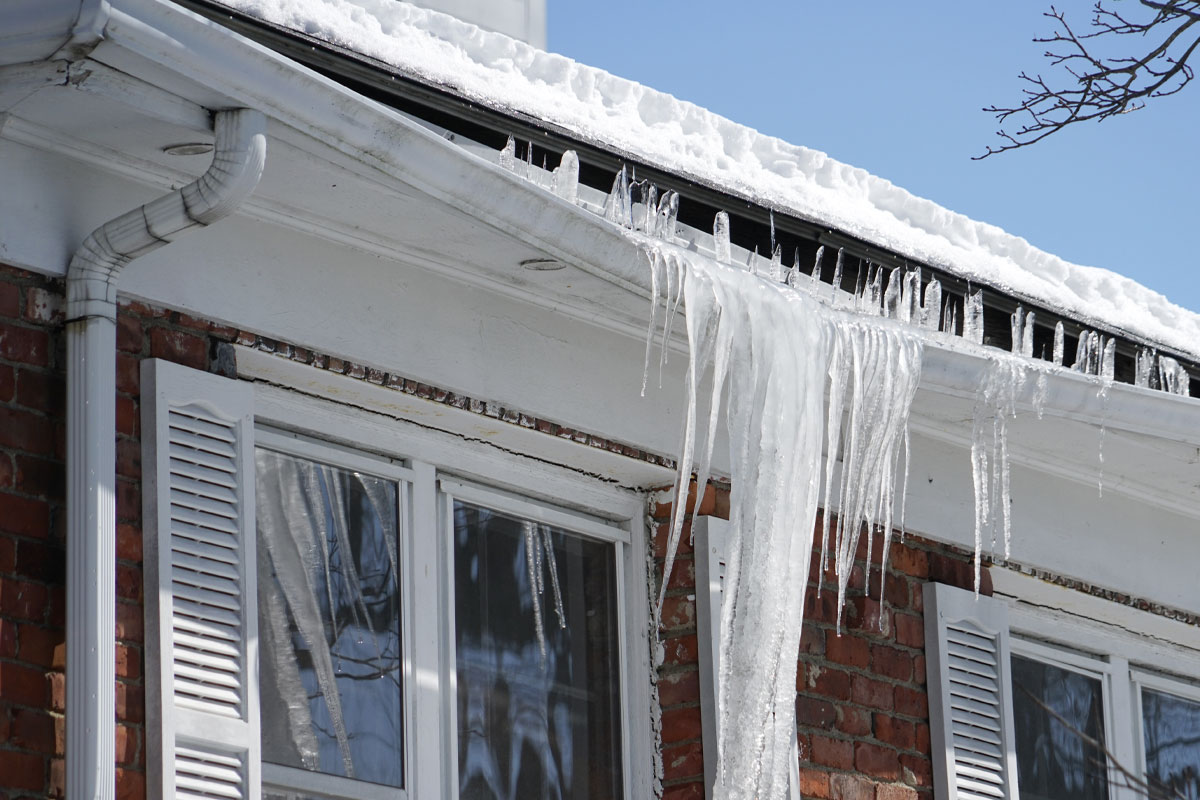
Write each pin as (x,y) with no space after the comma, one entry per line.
(542,264)
(188,149)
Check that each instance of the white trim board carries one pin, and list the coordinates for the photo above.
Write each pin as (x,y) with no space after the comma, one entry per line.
(297,396)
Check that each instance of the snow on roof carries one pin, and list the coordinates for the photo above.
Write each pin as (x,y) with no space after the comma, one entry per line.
(685,139)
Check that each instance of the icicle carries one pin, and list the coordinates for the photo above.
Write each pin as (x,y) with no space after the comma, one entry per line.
(1143,364)
(910,300)
(775,269)
(1027,336)
(1058,344)
(773,350)
(973,317)
(891,297)
(617,206)
(655,260)
(508,156)
(1095,348)
(1018,329)
(1109,361)
(875,293)
(837,273)
(668,214)
(816,270)
(772,215)
(649,207)
(1081,353)
(721,238)
(995,407)
(793,274)
(552,566)
(675,270)
(931,307)
(1173,377)
(860,286)
(532,551)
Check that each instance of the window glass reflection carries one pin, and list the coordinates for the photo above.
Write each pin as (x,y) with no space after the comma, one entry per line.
(329,619)
(1171,733)
(537,661)
(1059,720)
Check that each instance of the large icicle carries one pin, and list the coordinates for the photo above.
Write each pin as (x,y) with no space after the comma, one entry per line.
(773,348)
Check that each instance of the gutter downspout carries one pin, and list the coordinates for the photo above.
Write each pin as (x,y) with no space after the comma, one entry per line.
(240,153)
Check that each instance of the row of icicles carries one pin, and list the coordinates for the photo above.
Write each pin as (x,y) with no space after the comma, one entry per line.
(895,294)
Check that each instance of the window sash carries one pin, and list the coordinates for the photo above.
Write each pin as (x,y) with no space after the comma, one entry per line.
(571,522)
(1141,679)
(422,486)
(295,779)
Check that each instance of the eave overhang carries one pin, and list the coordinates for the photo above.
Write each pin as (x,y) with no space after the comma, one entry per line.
(1150,440)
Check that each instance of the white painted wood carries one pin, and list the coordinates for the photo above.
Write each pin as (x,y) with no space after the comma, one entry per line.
(514,466)
(629,551)
(970,695)
(1124,732)
(199,545)
(1048,612)
(427,615)
(709,549)
(498,500)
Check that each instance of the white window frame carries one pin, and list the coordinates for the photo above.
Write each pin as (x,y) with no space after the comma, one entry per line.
(1125,646)
(1142,679)
(277,777)
(441,465)
(1106,672)
(572,522)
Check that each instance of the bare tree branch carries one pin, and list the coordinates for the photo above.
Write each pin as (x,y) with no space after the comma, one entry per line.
(1117,772)
(1093,84)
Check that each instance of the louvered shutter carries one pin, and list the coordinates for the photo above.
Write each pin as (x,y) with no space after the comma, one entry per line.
(711,538)
(200,599)
(970,695)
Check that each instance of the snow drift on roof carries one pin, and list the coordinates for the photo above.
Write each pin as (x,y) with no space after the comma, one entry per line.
(680,137)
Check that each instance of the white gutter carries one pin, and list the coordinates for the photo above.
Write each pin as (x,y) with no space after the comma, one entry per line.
(240,153)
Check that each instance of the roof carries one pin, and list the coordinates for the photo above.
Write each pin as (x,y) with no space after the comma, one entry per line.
(682,138)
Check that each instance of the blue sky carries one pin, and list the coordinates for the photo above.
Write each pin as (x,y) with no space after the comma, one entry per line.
(897,88)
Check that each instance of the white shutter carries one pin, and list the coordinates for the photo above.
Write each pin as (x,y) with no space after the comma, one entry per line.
(711,542)
(200,598)
(970,695)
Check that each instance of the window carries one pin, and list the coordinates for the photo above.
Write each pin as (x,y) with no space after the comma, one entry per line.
(1058,711)
(536,659)
(329,596)
(1085,711)
(1169,717)
(392,630)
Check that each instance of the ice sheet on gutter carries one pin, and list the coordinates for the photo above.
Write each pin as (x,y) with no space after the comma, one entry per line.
(683,138)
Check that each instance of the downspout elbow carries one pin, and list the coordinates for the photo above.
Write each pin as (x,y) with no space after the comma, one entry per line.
(240,153)
(240,150)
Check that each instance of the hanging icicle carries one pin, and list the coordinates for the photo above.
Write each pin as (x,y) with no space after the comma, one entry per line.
(771,352)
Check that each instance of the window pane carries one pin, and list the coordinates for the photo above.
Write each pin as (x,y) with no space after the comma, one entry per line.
(1056,712)
(1171,728)
(536,632)
(329,619)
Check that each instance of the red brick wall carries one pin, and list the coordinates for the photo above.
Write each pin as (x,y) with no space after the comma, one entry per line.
(32,526)
(862,713)
(32,507)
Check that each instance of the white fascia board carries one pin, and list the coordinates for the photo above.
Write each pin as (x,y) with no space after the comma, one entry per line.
(385,402)
(953,367)
(372,134)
